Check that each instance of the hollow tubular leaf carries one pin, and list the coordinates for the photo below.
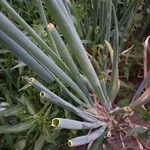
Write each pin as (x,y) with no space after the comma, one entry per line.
(82,140)
(64,53)
(97,143)
(71,95)
(102,20)
(35,36)
(33,64)
(50,96)
(58,101)
(67,28)
(108,20)
(88,84)
(114,84)
(95,18)
(13,32)
(40,87)
(73,124)
(25,57)
(45,23)
(127,19)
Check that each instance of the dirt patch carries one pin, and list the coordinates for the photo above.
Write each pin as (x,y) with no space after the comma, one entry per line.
(119,140)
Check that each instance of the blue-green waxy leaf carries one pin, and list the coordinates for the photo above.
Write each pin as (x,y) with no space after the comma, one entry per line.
(35,52)
(73,124)
(50,96)
(45,23)
(66,26)
(86,139)
(35,36)
(114,82)
(22,54)
(66,56)
(97,143)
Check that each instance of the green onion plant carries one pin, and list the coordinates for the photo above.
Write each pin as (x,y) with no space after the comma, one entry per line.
(66,61)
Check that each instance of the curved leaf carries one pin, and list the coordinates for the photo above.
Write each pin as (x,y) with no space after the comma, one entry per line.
(17,128)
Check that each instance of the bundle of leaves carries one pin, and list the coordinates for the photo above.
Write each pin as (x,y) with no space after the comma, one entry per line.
(66,62)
